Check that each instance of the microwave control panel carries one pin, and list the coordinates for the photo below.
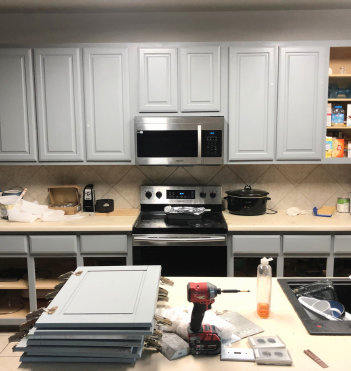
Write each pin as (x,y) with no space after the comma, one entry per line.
(211,143)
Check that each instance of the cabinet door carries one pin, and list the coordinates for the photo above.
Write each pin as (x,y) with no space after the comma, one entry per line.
(200,79)
(302,98)
(158,80)
(17,108)
(107,104)
(252,103)
(59,102)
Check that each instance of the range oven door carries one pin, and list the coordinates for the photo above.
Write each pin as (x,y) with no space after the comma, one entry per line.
(183,255)
(168,144)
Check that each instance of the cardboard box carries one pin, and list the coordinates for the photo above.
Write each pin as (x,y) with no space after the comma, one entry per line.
(64,195)
(338,148)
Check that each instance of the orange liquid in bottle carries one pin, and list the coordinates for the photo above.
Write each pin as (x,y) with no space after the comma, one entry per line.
(263,310)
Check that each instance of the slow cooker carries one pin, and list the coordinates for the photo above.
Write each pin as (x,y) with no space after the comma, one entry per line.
(247,201)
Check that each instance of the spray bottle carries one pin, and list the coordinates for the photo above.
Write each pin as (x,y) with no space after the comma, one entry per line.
(264,288)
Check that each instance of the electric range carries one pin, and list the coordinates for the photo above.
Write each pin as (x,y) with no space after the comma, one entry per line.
(186,247)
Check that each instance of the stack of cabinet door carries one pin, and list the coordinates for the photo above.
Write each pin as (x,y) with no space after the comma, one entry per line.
(100,315)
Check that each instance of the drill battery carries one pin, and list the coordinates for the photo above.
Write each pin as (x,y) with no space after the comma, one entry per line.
(206,340)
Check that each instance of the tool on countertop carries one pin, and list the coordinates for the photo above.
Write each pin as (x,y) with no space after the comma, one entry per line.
(315,358)
(204,338)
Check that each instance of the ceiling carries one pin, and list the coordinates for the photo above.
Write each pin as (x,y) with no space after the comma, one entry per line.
(103,6)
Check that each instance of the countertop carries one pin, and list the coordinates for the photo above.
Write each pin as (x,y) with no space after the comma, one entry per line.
(283,321)
(280,222)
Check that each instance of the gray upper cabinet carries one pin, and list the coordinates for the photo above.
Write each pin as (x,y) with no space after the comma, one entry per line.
(200,79)
(108,124)
(17,108)
(158,80)
(252,103)
(302,98)
(59,102)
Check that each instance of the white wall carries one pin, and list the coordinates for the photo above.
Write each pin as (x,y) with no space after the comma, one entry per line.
(148,27)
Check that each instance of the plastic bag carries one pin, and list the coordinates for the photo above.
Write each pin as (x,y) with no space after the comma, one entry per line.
(323,290)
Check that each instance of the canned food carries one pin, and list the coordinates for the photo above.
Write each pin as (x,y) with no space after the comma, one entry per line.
(343,205)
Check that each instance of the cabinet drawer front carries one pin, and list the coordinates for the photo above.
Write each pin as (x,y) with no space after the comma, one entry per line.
(13,245)
(248,245)
(342,245)
(307,245)
(104,244)
(53,245)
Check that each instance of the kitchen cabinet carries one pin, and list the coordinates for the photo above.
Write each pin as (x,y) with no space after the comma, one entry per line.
(13,245)
(158,80)
(200,79)
(307,245)
(59,104)
(108,122)
(53,245)
(256,245)
(252,103)
(18,137)
(302,97)
(104,244)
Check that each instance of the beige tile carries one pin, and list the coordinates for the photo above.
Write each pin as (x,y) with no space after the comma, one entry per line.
(129,186)
(3,342)
(6,182)
(274,182)
(111,174)
(157,174)
(319,186)
(65,174)
(8,352)
(229,182)
(180,177)
(38,185)
(203,174)
(28,198)
(11,364)
(294,199)
(20,173)
(339,193)
(249,173)
(119,201)
(341,173)
(89,176)
(296,173)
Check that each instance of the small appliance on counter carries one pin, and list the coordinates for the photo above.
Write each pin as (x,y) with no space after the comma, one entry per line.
(105,205)
(89,198)
(247,201)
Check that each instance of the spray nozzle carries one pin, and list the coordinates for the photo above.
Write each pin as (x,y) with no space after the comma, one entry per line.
(265,261)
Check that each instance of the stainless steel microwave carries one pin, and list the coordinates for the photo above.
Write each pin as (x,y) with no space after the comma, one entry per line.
(179,140)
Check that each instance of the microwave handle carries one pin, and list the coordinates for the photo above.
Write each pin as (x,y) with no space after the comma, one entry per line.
(199,144)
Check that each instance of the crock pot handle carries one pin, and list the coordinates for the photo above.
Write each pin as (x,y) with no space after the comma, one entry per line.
(247,187)
(268,198)
(225,198)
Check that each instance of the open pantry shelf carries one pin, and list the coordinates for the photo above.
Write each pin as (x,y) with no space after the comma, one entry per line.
(339,75)
(336,128)
(339,99)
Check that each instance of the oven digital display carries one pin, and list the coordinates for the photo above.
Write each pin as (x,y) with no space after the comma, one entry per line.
(187,194)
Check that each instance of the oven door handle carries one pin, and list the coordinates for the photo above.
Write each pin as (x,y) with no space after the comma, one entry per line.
(178,239)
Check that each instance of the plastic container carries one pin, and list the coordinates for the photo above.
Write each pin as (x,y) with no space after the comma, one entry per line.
(337,117)
(264,288)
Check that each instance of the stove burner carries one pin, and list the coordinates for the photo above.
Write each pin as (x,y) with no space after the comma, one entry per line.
(199,224)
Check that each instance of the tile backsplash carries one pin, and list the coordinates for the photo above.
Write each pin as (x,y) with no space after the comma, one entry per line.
(303,186)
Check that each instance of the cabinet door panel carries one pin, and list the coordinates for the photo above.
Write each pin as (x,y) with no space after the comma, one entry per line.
(104,244)
(342,245)
(252,103)
(53,245)
(306,245)
(13,245)
(17,108)
(200,79)
(107,104)
(59,101)
(302,97)
(158,80)
(256,245)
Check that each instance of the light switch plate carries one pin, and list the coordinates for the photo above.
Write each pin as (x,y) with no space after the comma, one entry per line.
(237,354)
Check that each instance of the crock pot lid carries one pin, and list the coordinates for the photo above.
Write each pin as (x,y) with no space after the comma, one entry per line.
(247,192)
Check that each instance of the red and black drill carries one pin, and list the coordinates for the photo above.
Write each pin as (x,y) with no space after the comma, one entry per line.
(203,339)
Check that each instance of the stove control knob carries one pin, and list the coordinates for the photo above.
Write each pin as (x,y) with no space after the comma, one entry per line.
(148,194)
(159,194)
(213,194)
(202,194)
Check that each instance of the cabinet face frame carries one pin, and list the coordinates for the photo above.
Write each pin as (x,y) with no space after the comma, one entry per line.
(209,87)
(48,93)
(158,70)
(95,105)
(242,80)
(291,95)
(25,103)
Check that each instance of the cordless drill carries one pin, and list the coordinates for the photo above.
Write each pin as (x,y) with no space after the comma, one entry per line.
(203,339)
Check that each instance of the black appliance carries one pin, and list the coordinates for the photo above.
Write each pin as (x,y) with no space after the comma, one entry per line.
(89,198)
(180,140)
(247,201)
(184,247)
(104,205)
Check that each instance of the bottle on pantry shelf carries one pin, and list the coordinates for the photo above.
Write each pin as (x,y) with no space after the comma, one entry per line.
(264,288)
(337,117)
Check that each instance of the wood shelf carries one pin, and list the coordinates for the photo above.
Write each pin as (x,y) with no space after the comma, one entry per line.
(339,128)
(339,75)
(17,285)
(339,99)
